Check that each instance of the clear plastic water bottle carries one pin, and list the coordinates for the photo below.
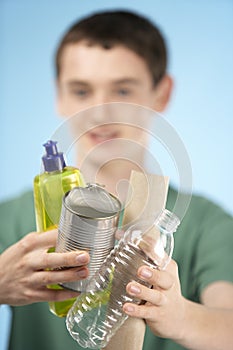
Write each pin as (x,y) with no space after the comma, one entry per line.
(97,313)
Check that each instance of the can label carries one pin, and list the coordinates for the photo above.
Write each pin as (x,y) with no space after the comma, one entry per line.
(89,219)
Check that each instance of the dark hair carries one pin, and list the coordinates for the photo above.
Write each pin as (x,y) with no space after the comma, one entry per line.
(128,29)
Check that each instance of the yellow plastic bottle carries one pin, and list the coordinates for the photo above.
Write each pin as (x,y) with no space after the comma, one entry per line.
(49,189)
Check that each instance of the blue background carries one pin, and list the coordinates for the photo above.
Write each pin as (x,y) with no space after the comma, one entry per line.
(199,34)
(200,41)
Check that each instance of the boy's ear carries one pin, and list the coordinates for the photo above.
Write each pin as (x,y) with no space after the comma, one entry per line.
(163,93)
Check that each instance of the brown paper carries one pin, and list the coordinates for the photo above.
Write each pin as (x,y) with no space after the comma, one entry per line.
(147,196)
(130,336)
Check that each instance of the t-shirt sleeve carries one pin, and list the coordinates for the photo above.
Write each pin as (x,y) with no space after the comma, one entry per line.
(214,253)
(17,218)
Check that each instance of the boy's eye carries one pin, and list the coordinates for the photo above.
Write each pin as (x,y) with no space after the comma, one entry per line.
(123,92)
(79,92)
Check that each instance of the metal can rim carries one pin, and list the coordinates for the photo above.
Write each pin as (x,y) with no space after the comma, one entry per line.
(113,214)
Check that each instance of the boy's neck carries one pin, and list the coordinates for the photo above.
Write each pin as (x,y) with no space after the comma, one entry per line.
(114,175)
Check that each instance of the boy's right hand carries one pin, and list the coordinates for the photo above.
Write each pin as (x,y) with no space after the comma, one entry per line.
(26,268)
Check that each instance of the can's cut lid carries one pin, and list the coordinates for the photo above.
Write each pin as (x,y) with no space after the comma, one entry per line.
(92,201)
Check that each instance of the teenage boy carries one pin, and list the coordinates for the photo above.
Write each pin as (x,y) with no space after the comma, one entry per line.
(119,57)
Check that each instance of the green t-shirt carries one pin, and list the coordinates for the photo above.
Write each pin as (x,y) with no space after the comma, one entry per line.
(203,251)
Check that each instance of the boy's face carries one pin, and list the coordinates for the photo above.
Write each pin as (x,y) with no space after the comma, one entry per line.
(92,75)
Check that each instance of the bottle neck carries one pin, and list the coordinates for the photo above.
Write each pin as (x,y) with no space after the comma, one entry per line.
(167,221)
(55,171)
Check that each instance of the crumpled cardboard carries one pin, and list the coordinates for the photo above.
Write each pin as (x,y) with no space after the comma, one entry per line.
(146,197)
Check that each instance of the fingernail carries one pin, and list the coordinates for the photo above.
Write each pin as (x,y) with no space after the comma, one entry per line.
(134,289)
(146,273)
(129,308)
(82,273)
(82,258)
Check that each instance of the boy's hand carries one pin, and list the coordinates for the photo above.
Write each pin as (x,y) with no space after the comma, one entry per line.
(26,268)
(164,310)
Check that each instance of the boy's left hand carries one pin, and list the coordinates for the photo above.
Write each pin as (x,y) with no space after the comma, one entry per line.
(164,310)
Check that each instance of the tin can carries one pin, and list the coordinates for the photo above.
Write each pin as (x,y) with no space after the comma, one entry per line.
(89,219)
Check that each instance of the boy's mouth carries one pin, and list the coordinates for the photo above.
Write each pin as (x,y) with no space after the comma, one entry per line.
(103,135)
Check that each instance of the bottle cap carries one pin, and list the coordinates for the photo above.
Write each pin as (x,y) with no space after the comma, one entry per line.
(53,160)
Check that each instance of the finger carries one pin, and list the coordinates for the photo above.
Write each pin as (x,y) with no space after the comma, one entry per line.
(45,294)
(43,278)
(119,234)
(172,267)
(35,240)
(63,294)
(144,293)
(48,239)
(157,278)
(56,260)
(146,312)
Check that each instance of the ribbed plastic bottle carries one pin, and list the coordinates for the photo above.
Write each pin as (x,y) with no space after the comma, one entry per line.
(49,188)
(97,314)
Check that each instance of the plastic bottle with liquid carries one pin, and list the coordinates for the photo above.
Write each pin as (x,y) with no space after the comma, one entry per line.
(49,188)
(97,314)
